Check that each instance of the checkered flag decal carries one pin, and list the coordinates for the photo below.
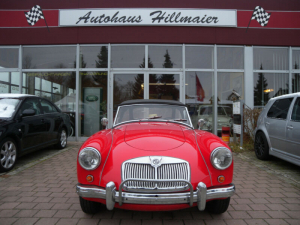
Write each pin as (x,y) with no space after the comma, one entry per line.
(34,15)
(261,16)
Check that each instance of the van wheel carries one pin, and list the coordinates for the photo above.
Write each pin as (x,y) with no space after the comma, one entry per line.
(261,146)
(62,142)
(89,207)
(8,154)
(218,206)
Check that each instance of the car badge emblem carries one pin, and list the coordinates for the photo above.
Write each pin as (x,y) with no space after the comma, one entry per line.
(155,161)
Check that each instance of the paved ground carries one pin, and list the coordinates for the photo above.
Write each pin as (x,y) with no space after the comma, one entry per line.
(44,193)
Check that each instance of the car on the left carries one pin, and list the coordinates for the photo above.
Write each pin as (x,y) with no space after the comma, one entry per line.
(29,123)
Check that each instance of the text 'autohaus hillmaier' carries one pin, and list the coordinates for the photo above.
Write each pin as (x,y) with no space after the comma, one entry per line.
(156,17)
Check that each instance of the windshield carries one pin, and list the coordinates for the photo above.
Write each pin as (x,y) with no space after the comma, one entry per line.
(8,107)
(153,112)
(222,111)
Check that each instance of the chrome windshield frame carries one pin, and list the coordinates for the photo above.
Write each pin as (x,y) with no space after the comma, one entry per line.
(153,120)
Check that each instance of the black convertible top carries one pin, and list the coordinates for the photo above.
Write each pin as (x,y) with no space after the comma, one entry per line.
(151,101)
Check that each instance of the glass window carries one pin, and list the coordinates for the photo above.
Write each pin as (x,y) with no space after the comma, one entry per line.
(4,77)
(199,97)
(270,58)
(269,85)
(165,56)
(127,87)
(280,108)
(201,57)
(128,56)
(9,58)
(230,57)
(296,111)
(49,57)
(296,59)
(15,78)
(92,102)
(295,82)
(228,83)
(9,82)
(48,107)
(32,103)
(164,86)
(93,57)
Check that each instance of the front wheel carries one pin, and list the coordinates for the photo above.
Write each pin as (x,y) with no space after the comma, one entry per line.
(62,142)
(89,207)
(261,146)
(218,206)
(8,154)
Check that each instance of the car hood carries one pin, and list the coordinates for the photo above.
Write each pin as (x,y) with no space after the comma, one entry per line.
(4,122)
(127,135)
(154,136)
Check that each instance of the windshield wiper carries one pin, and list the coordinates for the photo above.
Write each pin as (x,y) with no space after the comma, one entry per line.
(154,117)
(179,120)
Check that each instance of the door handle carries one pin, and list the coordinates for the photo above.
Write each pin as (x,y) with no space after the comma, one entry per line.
(43,121)
(267,123)
(289,127)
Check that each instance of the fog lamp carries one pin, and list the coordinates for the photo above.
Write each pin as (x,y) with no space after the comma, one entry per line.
(221,179)
(89,178)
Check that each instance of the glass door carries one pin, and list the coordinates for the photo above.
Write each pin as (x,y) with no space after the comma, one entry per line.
(127,86)
(165,85)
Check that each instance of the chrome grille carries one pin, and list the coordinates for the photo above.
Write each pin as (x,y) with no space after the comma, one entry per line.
(168,169)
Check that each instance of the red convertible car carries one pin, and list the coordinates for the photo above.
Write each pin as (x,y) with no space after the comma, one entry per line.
(153,159)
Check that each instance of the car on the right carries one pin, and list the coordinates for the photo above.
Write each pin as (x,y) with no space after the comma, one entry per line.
(278,129)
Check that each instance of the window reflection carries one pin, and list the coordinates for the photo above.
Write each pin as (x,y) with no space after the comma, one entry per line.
(270,58)
(269,85)
(93,57)
(199,98)
(228,85)
(296,59)
(49,57)
(9,57)
(230,57)
(199,57)
(165,56)
(9,82)
(127,87)
(92,102)
(128,56)
(296,82)
(164,86)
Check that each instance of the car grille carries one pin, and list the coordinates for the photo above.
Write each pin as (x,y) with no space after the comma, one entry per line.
(168,169)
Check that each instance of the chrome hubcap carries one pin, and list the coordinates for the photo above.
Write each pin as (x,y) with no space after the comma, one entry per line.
(8,154)
(63,138)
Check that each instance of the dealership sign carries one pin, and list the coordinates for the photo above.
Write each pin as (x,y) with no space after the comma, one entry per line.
(147,17)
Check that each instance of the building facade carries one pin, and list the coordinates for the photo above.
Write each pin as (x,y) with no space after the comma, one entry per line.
(89,56)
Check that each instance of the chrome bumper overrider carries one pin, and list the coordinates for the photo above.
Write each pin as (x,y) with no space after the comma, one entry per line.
(111,195)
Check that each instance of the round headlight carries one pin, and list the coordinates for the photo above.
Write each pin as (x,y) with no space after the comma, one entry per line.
(221,158)
(89,158)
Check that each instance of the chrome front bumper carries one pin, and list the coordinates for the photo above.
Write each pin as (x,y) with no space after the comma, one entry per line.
(111,195)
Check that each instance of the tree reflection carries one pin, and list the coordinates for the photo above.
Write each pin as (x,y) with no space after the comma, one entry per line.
(261,97)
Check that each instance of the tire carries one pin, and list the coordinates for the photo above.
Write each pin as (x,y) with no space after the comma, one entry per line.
(8,154)
(261,146)
(62,141)
(89,207)
(217,206)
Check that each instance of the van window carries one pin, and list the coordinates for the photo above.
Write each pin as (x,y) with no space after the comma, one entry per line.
(280,108)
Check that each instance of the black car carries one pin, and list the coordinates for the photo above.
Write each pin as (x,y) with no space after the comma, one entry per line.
(29,123)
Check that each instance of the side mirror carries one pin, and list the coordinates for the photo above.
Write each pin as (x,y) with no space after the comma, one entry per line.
(28,112)
(201,123)
(104,122)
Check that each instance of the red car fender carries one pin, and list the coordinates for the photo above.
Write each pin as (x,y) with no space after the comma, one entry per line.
(102,142)
(207,142)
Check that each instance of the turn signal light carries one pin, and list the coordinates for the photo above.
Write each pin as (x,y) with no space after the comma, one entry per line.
(221,179)
(89,178)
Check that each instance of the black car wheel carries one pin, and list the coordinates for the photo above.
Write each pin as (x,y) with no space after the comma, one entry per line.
(261,146)
(8,154)
(89,207)
(217,206)
(62,143)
